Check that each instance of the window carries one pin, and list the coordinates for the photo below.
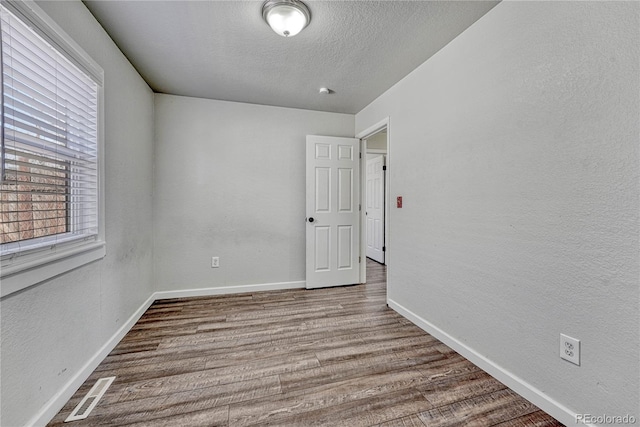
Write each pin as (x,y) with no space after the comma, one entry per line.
(50,206)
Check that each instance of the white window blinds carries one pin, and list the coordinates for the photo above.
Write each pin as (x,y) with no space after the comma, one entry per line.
(49,148)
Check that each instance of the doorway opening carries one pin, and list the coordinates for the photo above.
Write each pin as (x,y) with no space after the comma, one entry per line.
(375,196)
(375,182)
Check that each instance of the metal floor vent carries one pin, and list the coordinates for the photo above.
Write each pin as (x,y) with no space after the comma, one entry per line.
(90,401)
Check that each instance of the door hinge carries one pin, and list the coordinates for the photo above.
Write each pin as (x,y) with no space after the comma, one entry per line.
(360,207)
(384,249)
(360,155)
(359,259)
(384,168)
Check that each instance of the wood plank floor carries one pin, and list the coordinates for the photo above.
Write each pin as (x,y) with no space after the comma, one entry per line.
(328,357)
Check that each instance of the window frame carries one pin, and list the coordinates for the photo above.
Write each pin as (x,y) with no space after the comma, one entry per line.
(28,267)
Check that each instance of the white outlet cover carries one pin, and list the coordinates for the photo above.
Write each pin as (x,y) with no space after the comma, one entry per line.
(570,349)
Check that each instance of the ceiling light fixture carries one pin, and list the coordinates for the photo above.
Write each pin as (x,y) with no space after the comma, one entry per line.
(286,17)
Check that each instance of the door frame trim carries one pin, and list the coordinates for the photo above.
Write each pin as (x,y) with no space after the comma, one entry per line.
(362,136)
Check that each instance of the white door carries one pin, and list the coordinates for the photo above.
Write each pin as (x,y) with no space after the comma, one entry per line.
(333,228)
(375,208)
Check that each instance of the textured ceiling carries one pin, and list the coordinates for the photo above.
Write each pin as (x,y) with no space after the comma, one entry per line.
(224,50)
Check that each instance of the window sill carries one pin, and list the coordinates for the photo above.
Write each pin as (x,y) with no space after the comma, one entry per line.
(21,276)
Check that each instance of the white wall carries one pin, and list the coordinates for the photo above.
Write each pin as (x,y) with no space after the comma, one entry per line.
(516,150)
(230,182)
(51,330)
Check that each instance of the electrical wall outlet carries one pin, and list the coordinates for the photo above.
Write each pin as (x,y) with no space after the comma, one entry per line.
(570,349)
(215,262)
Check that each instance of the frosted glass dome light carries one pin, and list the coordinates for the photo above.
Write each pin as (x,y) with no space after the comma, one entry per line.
(286,17)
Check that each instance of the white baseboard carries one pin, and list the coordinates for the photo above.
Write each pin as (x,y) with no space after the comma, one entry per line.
(62,397)
(524,389)
(223,290)
(56,403)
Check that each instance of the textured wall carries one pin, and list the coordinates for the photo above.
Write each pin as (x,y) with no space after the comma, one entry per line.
(230,182)
(51,330)
(516,150)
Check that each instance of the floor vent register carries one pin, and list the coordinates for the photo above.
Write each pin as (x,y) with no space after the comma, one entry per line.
(90,401)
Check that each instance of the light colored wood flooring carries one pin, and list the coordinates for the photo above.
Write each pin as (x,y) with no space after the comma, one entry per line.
(327,357)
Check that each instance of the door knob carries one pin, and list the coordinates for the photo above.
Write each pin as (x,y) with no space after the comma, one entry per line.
(311,219)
